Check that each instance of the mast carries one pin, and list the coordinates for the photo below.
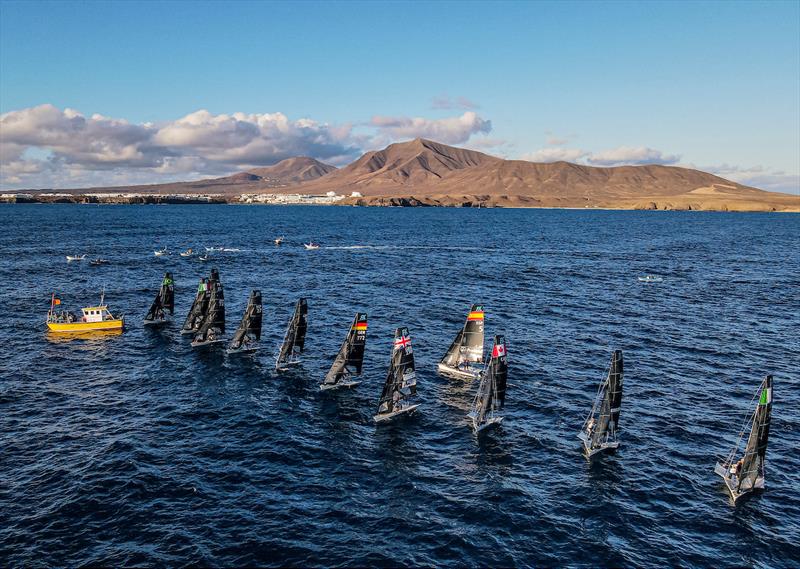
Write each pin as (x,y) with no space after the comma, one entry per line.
(249,330)
(491,394)
(295,338)
(401,379)
(753,460)
(350,358)
(467,347)
(213,326)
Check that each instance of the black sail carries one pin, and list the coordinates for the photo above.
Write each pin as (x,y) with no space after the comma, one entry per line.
(607,422)
(468,343)
(249,330)
(295,338)
(491,394)
(164,300)
(350,358)
(213,326)
(753,460)
(199,307)
(401,379)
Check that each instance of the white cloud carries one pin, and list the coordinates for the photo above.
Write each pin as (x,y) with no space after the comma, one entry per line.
(626,155)
(48,147)
(555,155)
(757,177)
(451,130)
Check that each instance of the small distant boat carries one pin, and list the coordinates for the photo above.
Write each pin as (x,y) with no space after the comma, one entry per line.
(350,358)
(599,431)
(98,262)
(161,252)
(231,250)
(465,354)
(295,338)
(94,318)
(188,253)
(249,331)
(204,258)
(651,279)
(279,240)
(163,307)
(212,249)
(491,396)
(400,389)
(213,325)
(747,474)
(71,258)
(311,246)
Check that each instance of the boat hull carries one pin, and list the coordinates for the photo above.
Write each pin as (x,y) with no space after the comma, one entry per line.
(487,424)
(590,452)
(285,366)
(731,485)
(157,323)
(206,343)
(242,351)
(340,385)
(386,417)
(82,327)
(455,373)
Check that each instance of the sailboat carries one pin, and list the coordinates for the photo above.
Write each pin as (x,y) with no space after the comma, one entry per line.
(599,431)
(163,306)
(295,338)
(400,388)
(747,474)
(213,326)
(160,252)
(467,348)
(249,330)
(200,305)
(491,396)
(350,358)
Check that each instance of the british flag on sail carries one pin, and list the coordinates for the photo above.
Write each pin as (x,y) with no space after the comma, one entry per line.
(403,342)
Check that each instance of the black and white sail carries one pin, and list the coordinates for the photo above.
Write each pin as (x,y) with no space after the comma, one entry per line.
(163,306)
(295,338)
(491,396)
(198,310)
(464,357)
(350,358)
(248,333)
(400,388)
(748,472)
(213,326)
(601,427)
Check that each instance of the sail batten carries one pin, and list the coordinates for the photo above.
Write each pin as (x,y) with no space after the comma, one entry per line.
(350,358)
(466,350)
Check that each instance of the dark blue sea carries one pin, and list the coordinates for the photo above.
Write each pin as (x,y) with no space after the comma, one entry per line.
(139,450)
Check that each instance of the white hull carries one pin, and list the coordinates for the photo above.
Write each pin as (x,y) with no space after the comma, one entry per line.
(590,452)
(731,485)
(394,414)
(287,365)
(341,384)
(488,423)
(206,343)
(467,374)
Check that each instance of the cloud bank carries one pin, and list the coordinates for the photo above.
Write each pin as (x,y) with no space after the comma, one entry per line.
(48,147)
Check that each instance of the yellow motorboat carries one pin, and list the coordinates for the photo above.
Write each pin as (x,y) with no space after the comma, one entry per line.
(94,318)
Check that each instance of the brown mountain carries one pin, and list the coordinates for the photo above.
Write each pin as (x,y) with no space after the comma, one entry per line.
(292,170)
(422,172)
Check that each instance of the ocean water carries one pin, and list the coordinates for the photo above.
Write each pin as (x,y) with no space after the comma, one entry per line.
(139,450)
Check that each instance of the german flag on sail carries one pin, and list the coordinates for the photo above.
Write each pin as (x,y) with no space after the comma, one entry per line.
(475,315)
(360,326)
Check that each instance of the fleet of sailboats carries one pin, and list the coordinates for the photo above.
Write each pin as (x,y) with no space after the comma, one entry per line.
(294,340)
(742,471)
(400,388)
(746,472)
(464,357)
(350,358)
(599,431)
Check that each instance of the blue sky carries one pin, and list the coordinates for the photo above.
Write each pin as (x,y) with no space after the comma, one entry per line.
(97,92)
